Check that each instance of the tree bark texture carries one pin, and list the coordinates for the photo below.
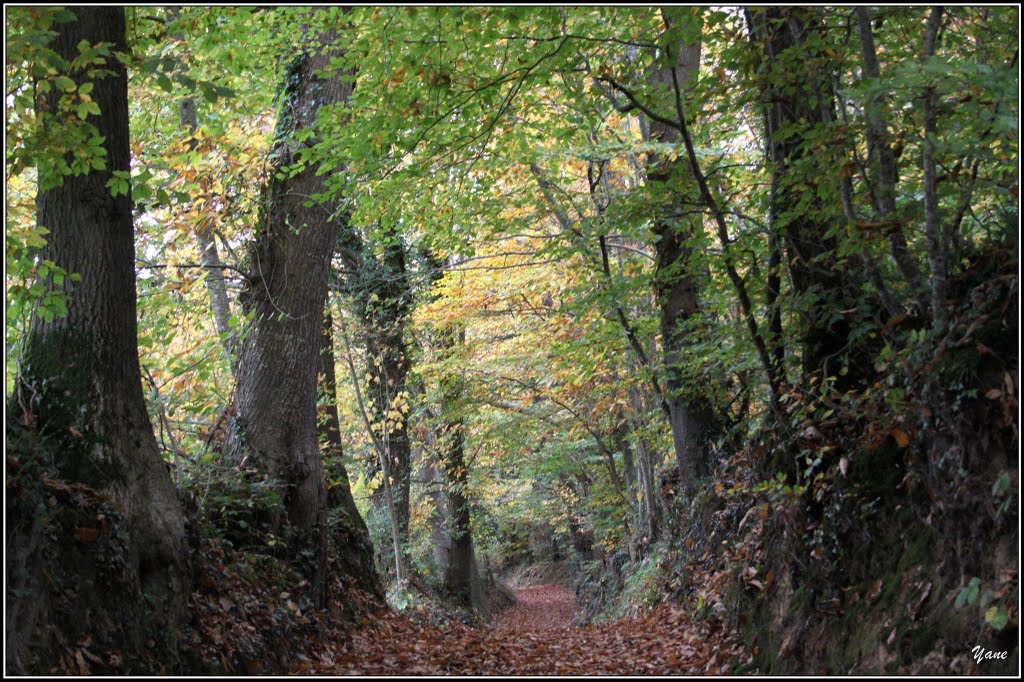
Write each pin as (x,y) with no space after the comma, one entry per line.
(285,293)
(676,277)
(347,527)
(439,538)
(883,156)
(929,169)
(123,579)
(462,578)
(451,443)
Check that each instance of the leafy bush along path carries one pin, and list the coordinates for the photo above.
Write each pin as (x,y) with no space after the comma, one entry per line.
(535,637)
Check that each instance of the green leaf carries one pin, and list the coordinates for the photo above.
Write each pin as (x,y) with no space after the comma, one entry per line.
(209,92)
(969,594)
(118,184)
(997,617)
(1002,484)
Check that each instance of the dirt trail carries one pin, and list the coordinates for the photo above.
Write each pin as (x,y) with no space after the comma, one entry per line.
(534,637)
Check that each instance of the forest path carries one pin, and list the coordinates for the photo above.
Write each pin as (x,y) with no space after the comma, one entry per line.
(548,606)
(534,637)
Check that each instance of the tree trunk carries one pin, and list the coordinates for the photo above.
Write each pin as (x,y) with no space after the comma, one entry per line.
(439,538)
(458,573)
(80,386)
(380,445)
(461,577)
(285,293)
(451,445)
(690,412)
(347,527)
(380,288)
(929,169)
(883,155)
(386,348)
(797,100)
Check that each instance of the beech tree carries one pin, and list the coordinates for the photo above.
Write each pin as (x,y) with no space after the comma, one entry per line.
(285,293)
(220,306)
(678,278)
(461,577)
(79,387)
(683,263)
(348,529)
(798,105)
(676,226)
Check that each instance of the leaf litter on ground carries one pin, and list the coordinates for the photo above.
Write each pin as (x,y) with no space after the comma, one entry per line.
(534,637)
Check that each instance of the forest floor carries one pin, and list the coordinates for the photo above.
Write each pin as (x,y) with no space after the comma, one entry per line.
(534,637)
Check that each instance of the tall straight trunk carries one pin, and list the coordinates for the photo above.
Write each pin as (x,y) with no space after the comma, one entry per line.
(387,351)
(932,226)
(434,480)
(285,293)
(773,291)
(649,505)
(380,445)
(458,573)
(460,577)
(347,527)
(691,414)
(79,385)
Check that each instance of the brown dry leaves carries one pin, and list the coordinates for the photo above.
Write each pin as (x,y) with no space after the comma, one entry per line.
(543,606)
(533,638)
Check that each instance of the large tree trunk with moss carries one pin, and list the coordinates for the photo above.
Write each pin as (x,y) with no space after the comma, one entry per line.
(677,277)
(95,532)
(285,294)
